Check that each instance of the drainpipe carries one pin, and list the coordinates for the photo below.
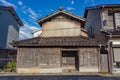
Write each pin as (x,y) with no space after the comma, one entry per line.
(99,63)
(110,57)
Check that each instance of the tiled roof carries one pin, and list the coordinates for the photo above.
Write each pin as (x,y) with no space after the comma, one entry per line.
(112,32)
(104,6)
(8,50)
(115,32)
(101,6)
(57,41)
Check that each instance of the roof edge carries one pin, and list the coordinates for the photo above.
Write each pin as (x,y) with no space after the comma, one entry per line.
(60,11)
(13,12)
(100,7)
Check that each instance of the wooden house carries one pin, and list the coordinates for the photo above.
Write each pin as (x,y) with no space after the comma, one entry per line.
(63,46)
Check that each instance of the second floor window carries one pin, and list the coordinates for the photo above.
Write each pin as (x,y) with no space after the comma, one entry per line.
(117,20)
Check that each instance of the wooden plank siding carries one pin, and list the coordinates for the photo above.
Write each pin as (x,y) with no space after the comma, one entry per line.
(49,60)
(62,26)
(38,58)
(88,60)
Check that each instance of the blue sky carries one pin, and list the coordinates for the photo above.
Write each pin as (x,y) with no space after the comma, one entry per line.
(31,10)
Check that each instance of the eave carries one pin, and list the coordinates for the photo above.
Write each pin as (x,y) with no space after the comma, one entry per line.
(58,42)
(102,6)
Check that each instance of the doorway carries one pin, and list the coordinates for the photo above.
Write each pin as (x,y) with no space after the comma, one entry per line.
(70,60)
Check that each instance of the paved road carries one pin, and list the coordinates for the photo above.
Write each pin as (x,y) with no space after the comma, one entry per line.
(62,77)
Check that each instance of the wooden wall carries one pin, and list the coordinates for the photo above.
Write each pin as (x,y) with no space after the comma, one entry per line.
(30,59)
(49,60)
(61,26)
(88,59)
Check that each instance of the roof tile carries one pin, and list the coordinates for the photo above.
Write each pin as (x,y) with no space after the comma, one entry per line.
(57,41)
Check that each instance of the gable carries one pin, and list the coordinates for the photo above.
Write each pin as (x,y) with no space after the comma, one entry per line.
(60,18)
(68,15)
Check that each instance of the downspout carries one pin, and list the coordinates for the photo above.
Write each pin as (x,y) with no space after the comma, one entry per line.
(110,58)
(99,63)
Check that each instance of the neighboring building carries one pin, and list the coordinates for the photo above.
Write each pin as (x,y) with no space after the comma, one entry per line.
(37,33)
(63,45)
(10,24)
(9,31)
(114,49)
(103,22)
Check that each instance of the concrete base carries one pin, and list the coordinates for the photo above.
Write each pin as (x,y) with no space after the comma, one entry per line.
(116,70)
(88,70)
(51,70)
(38,70)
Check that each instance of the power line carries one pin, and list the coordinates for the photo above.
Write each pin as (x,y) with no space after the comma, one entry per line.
(60,29)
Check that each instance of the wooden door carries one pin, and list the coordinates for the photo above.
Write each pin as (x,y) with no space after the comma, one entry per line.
(69,60)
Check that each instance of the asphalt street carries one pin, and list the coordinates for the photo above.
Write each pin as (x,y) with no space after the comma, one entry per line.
(59,77)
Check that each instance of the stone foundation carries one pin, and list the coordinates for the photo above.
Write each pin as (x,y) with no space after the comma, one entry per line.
(38,70)
(88,70)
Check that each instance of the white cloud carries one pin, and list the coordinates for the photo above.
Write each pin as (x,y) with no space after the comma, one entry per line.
(51,10)
(32,13)
(72,2)
(20,3)
(90,1)
(26,31)
(6,3)
(24,12)
(70,8)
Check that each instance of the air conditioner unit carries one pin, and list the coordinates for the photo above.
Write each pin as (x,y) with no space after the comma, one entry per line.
(118,27)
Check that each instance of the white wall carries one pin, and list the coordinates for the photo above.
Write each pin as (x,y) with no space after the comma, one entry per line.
(37,33)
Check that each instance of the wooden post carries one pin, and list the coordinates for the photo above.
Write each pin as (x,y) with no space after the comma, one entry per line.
(17,60)
(110,58)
